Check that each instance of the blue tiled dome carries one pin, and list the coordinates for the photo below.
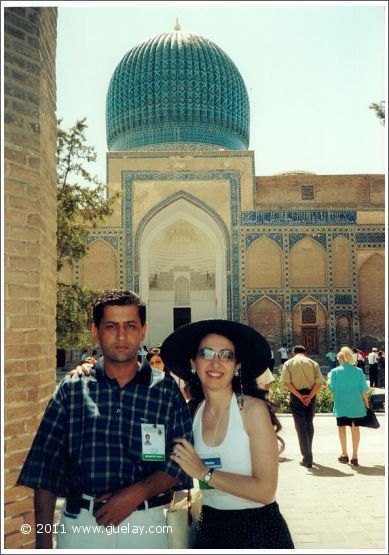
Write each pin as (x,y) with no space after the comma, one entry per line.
(177,89)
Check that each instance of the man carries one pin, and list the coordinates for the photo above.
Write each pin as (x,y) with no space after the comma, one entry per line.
(284,355)
(272,361)
(372,359)
(302,376)
(331,355)
(362,360)
(89,446)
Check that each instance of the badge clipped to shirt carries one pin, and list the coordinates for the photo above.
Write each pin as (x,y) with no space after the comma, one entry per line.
(209,462)
(153,442)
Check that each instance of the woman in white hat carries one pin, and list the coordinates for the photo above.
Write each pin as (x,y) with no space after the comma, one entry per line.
(235,452)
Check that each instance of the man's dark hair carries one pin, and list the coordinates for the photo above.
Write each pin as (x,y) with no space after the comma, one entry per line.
(120,297)
(299,349)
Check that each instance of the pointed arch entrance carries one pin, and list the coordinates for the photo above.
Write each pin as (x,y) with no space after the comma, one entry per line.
(182,267)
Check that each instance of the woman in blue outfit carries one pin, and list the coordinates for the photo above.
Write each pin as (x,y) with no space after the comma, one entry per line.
(235,452)
(349,386)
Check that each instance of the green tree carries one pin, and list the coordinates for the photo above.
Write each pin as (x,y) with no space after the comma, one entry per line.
(81,204)
(74,316)
(379,110)
(81,200)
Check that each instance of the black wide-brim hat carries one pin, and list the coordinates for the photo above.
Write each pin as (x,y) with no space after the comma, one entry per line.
(251,348)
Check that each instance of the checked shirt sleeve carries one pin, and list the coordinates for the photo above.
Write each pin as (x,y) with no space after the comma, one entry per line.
(45,465)
(180,426)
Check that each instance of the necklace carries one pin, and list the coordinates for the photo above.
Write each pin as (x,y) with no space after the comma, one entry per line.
(218,421)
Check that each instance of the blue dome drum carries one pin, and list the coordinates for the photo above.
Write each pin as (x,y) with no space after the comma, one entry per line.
(177,89)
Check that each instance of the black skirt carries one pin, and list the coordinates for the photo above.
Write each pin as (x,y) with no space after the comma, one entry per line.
(259,528)
(346,421)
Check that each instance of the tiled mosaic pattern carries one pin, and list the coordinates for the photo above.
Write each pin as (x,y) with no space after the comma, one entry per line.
(176,88)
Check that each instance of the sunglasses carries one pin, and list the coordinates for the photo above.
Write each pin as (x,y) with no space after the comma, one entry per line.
(210,354)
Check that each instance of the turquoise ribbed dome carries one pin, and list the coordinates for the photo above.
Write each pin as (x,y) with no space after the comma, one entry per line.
(177,91)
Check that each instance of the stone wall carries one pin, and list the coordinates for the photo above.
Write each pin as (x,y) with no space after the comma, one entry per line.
(29,246)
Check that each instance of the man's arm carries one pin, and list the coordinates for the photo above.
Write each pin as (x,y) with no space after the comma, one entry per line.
(313,392)
(119,505)
(44,504)
(306,399)
(293,390)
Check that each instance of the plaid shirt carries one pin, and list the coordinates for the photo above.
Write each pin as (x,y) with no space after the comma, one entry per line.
(90,435)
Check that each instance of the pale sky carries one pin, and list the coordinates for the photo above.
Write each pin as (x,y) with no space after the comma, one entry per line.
(311,72)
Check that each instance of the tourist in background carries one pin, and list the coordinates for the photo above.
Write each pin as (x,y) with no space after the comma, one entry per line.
(349,386)
(373,367)
(357,357)
(362,363)
(265,380)
(331,355)
(272,361)
(284,353)
(154,359)
(381,369)
(302,376)
(84,355)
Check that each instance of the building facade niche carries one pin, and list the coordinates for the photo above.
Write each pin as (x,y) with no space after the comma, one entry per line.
(181,259)
(266,316)
(307,264)
(310,325)
(371,300)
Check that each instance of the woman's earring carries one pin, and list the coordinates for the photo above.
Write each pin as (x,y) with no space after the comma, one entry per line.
(236,373)
(193,370)
(241,395)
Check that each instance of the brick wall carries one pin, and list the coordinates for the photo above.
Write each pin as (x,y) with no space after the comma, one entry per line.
(371,279)
(29,245)
(337,191)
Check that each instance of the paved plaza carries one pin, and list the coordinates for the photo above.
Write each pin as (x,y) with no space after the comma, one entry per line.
(332,505)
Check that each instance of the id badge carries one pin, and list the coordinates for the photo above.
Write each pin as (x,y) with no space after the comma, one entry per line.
(153,442)
(209,462)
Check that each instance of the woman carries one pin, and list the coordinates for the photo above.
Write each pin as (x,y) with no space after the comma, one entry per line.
(349,386)
(235,453)
(153,357)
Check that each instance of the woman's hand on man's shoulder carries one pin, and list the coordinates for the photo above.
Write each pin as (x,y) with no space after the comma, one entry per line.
(82,369)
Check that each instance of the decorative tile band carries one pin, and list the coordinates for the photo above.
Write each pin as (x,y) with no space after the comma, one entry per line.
(299,217)
(370,238)
(319,297)
(113,241)
(296,237)
(343,299)
(341,312)
(251,237)
(252,299)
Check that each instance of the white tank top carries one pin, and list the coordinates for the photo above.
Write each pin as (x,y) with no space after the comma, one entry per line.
(234,455)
